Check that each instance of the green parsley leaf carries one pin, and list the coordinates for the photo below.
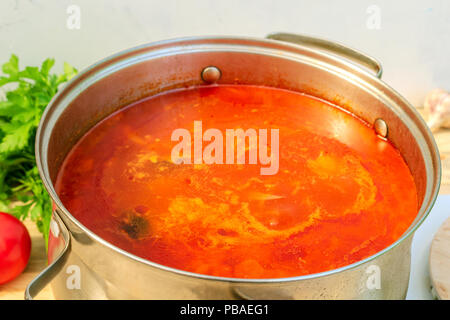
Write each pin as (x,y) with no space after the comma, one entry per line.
(20,183)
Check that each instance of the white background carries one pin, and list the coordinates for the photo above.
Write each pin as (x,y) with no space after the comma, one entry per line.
(413,41)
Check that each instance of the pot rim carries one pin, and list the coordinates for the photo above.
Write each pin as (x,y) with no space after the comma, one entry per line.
(425,208)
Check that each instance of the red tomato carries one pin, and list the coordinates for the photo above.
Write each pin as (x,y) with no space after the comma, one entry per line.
(15,247)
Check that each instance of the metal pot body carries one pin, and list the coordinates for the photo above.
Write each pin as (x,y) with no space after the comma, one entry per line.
(84,266)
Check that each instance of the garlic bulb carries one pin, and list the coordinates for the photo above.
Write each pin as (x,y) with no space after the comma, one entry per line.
(437,105)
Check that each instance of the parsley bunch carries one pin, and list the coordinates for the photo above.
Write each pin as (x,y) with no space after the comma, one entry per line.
(27,94)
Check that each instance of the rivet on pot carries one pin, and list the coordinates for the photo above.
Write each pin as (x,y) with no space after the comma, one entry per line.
(211,74)
(381,127)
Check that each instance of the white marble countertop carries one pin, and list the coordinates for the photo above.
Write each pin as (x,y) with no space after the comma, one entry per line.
(419,283)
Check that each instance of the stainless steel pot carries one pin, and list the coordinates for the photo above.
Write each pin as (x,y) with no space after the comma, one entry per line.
(84,266)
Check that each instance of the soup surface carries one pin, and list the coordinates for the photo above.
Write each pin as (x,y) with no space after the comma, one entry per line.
(340,194)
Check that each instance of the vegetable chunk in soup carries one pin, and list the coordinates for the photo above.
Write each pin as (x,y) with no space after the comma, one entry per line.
(339,194)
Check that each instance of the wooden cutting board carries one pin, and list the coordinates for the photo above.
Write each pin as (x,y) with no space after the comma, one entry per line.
(440,262)
(38,260)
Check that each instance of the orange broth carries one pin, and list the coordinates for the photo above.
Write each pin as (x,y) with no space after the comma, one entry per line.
(340,195)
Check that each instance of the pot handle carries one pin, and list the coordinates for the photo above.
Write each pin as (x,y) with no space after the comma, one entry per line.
(333,47)
(59,230)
